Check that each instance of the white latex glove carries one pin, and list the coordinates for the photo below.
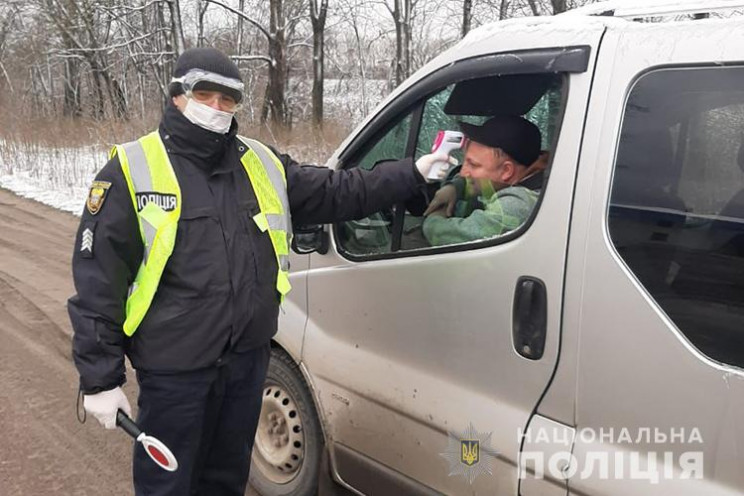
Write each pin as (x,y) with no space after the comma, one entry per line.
(104,405)
(426,163)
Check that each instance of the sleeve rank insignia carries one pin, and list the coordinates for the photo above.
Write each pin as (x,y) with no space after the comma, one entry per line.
(96,196)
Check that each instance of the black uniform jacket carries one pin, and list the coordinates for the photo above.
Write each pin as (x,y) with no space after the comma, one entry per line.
(218,290)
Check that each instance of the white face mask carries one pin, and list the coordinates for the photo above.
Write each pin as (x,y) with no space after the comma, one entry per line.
(207,117)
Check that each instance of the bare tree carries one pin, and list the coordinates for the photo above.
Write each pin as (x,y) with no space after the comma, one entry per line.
(239,50)
(504,10)
(109,58)
(318,14)
(401,12)
(558,6)
(6,25)
(467,16)
(174,7)
(201,7)
(274,108)
(274,103)
(81,26)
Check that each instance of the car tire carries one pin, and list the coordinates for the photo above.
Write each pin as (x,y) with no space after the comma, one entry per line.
(289,442)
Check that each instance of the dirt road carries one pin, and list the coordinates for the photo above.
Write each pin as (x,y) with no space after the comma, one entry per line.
(44,450)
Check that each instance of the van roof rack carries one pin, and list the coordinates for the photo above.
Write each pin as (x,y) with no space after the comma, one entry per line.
(635,9)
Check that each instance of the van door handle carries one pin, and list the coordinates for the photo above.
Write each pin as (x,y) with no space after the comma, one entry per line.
(529,319)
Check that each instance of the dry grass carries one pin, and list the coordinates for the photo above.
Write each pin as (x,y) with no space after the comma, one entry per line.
(63,155)
(304,142)
(22,138)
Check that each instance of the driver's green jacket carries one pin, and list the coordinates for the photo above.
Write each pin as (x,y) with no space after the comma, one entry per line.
(504,211)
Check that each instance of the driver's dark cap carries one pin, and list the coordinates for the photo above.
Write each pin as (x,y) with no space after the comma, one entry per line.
(515,135)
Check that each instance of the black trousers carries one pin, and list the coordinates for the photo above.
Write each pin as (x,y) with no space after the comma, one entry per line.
(208,419)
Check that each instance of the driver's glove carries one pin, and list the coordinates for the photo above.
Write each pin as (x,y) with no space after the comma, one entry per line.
(445,198)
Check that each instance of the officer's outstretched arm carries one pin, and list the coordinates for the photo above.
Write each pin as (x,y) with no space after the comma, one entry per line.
(318,195)
(107,253)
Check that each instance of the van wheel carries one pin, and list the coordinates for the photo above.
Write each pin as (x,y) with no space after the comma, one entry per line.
(287,450)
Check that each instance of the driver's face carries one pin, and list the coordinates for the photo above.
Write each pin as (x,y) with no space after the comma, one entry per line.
(482,162)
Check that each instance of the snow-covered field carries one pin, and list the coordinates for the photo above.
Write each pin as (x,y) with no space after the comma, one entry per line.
(60,177)
(55,176)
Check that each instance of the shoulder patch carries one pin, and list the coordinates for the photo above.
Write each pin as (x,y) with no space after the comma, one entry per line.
(96,196)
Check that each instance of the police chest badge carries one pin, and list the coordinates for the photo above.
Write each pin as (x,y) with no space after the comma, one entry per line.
(96,196)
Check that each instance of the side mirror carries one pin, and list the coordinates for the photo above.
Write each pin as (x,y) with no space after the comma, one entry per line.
(309,239)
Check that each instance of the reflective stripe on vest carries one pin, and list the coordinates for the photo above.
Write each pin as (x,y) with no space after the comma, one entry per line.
(147,169)
(153,187)
(269,182)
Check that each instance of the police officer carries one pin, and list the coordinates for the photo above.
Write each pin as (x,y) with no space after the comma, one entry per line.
(181,264)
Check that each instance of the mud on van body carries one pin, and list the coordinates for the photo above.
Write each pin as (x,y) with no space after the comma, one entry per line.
(597,349)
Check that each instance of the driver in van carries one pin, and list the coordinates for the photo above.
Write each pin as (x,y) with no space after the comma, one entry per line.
(497,187)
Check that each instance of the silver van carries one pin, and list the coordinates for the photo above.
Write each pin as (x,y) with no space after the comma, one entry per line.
(597,349)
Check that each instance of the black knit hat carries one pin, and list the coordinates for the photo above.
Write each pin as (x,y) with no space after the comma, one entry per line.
(514,134)
(210,60)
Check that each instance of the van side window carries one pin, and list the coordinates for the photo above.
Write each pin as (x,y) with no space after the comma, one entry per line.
(373,234)
(537,97)
(391,146)
(676,214)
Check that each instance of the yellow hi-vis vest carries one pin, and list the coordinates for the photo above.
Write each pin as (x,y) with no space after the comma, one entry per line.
(156,197)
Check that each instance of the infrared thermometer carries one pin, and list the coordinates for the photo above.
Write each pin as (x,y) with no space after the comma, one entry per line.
(154,447)
(446,142)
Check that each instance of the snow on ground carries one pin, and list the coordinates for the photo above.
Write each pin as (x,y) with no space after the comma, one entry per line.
(61,177)
(24,185)
(57,177)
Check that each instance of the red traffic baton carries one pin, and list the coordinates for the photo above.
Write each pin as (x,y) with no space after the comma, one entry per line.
(154,447)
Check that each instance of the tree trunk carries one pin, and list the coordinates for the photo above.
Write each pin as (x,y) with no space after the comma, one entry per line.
(239,51)
(467,16)
(318,19)
(71,83)
(72,106)
(362,70)
(558,6)
(402,18)
(318,76)
(168,61)
(202,10)
(116,95)
(398,42)
(46,97)
(503,10)
(99,111)
(176,26)
(274,108)
(407,45)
